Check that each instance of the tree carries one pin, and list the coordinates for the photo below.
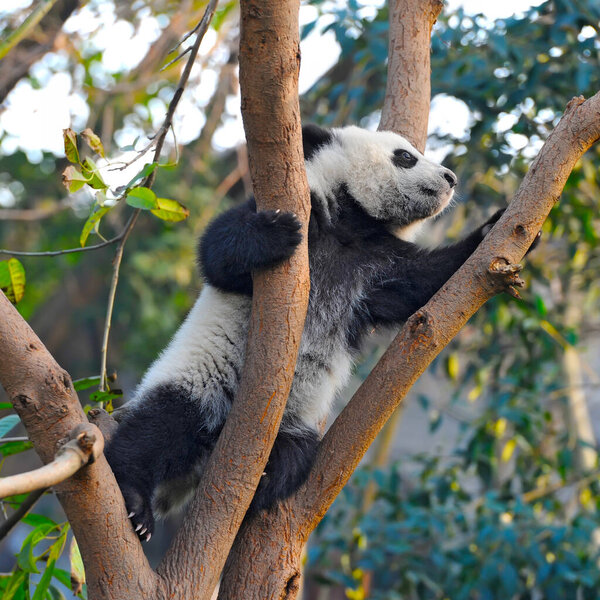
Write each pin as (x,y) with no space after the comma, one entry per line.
(42,393)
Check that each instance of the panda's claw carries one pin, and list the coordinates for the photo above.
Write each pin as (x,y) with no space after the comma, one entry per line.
(138,527)
(148,536)
(131,515)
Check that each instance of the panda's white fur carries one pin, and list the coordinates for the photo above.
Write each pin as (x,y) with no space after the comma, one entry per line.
(364,187)
(212,339)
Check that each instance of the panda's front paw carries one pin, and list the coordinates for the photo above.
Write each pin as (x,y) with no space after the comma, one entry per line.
(139,511)
(280,233)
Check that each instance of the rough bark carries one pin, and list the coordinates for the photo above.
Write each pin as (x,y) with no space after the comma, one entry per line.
(269,65)
(17,63)
(408,90)
(44,398)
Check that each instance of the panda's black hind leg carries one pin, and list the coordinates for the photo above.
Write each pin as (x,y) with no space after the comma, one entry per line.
(290,461)
(161,438)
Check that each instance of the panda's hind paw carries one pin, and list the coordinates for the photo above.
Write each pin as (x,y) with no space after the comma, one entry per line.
(140,513)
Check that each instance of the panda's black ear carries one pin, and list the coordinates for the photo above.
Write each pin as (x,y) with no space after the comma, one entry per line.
(313,138)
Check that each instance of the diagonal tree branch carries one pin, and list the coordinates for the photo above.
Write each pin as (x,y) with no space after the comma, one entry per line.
(269,65)
(43,396)
(429,330)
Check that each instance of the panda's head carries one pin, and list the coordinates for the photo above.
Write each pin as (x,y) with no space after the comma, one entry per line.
(389,178)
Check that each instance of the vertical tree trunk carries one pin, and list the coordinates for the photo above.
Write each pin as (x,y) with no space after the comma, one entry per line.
(264,562)
(408,91)
(269,67)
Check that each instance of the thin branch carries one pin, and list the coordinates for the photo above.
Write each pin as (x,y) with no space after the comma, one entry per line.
(28,24)
(86,444)
(180,55)
(111,295)
(201,29)
(66,250)
(17,515)
(537,493)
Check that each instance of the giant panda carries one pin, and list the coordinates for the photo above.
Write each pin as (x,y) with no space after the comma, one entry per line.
(370,192)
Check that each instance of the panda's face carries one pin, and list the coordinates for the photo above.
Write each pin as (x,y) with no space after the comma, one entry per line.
(386,175)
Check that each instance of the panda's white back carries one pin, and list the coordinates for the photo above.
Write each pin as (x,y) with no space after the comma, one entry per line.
(207,352)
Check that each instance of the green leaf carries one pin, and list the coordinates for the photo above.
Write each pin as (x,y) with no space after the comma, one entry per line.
(36,520)
(93,221)
(12,279)
(55,593)
(77,570)
(16,581)
(7,423)
(95,180)
(63,577)
(146,170)
(5,405)
(73,179)
(86,383)
(93,141)
(170,210)
(106,396)
(70,139)
(142,197)
(25,558)
(10,448)
(44,582)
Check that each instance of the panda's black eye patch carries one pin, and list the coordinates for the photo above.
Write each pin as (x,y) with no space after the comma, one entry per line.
(404,159)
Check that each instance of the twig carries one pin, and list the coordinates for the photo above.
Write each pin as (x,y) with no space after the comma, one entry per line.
(187,36)
(111,295)
(66,250)
(23,509)
(14,439)
(26,26)
(86,444)
(180,55)
(149,180)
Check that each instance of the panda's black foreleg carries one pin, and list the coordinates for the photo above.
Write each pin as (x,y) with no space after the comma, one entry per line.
(242,240)
(290,461)
(410,282)
(159,445)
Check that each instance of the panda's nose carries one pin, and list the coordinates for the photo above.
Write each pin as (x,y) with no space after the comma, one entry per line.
(450,177)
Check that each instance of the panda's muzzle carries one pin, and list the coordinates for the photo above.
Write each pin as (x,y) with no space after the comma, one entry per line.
(450,177)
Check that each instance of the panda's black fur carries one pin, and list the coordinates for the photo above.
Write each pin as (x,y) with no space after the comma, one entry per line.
(369,191)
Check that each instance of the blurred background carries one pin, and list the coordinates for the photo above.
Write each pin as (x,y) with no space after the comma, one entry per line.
(484,485)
